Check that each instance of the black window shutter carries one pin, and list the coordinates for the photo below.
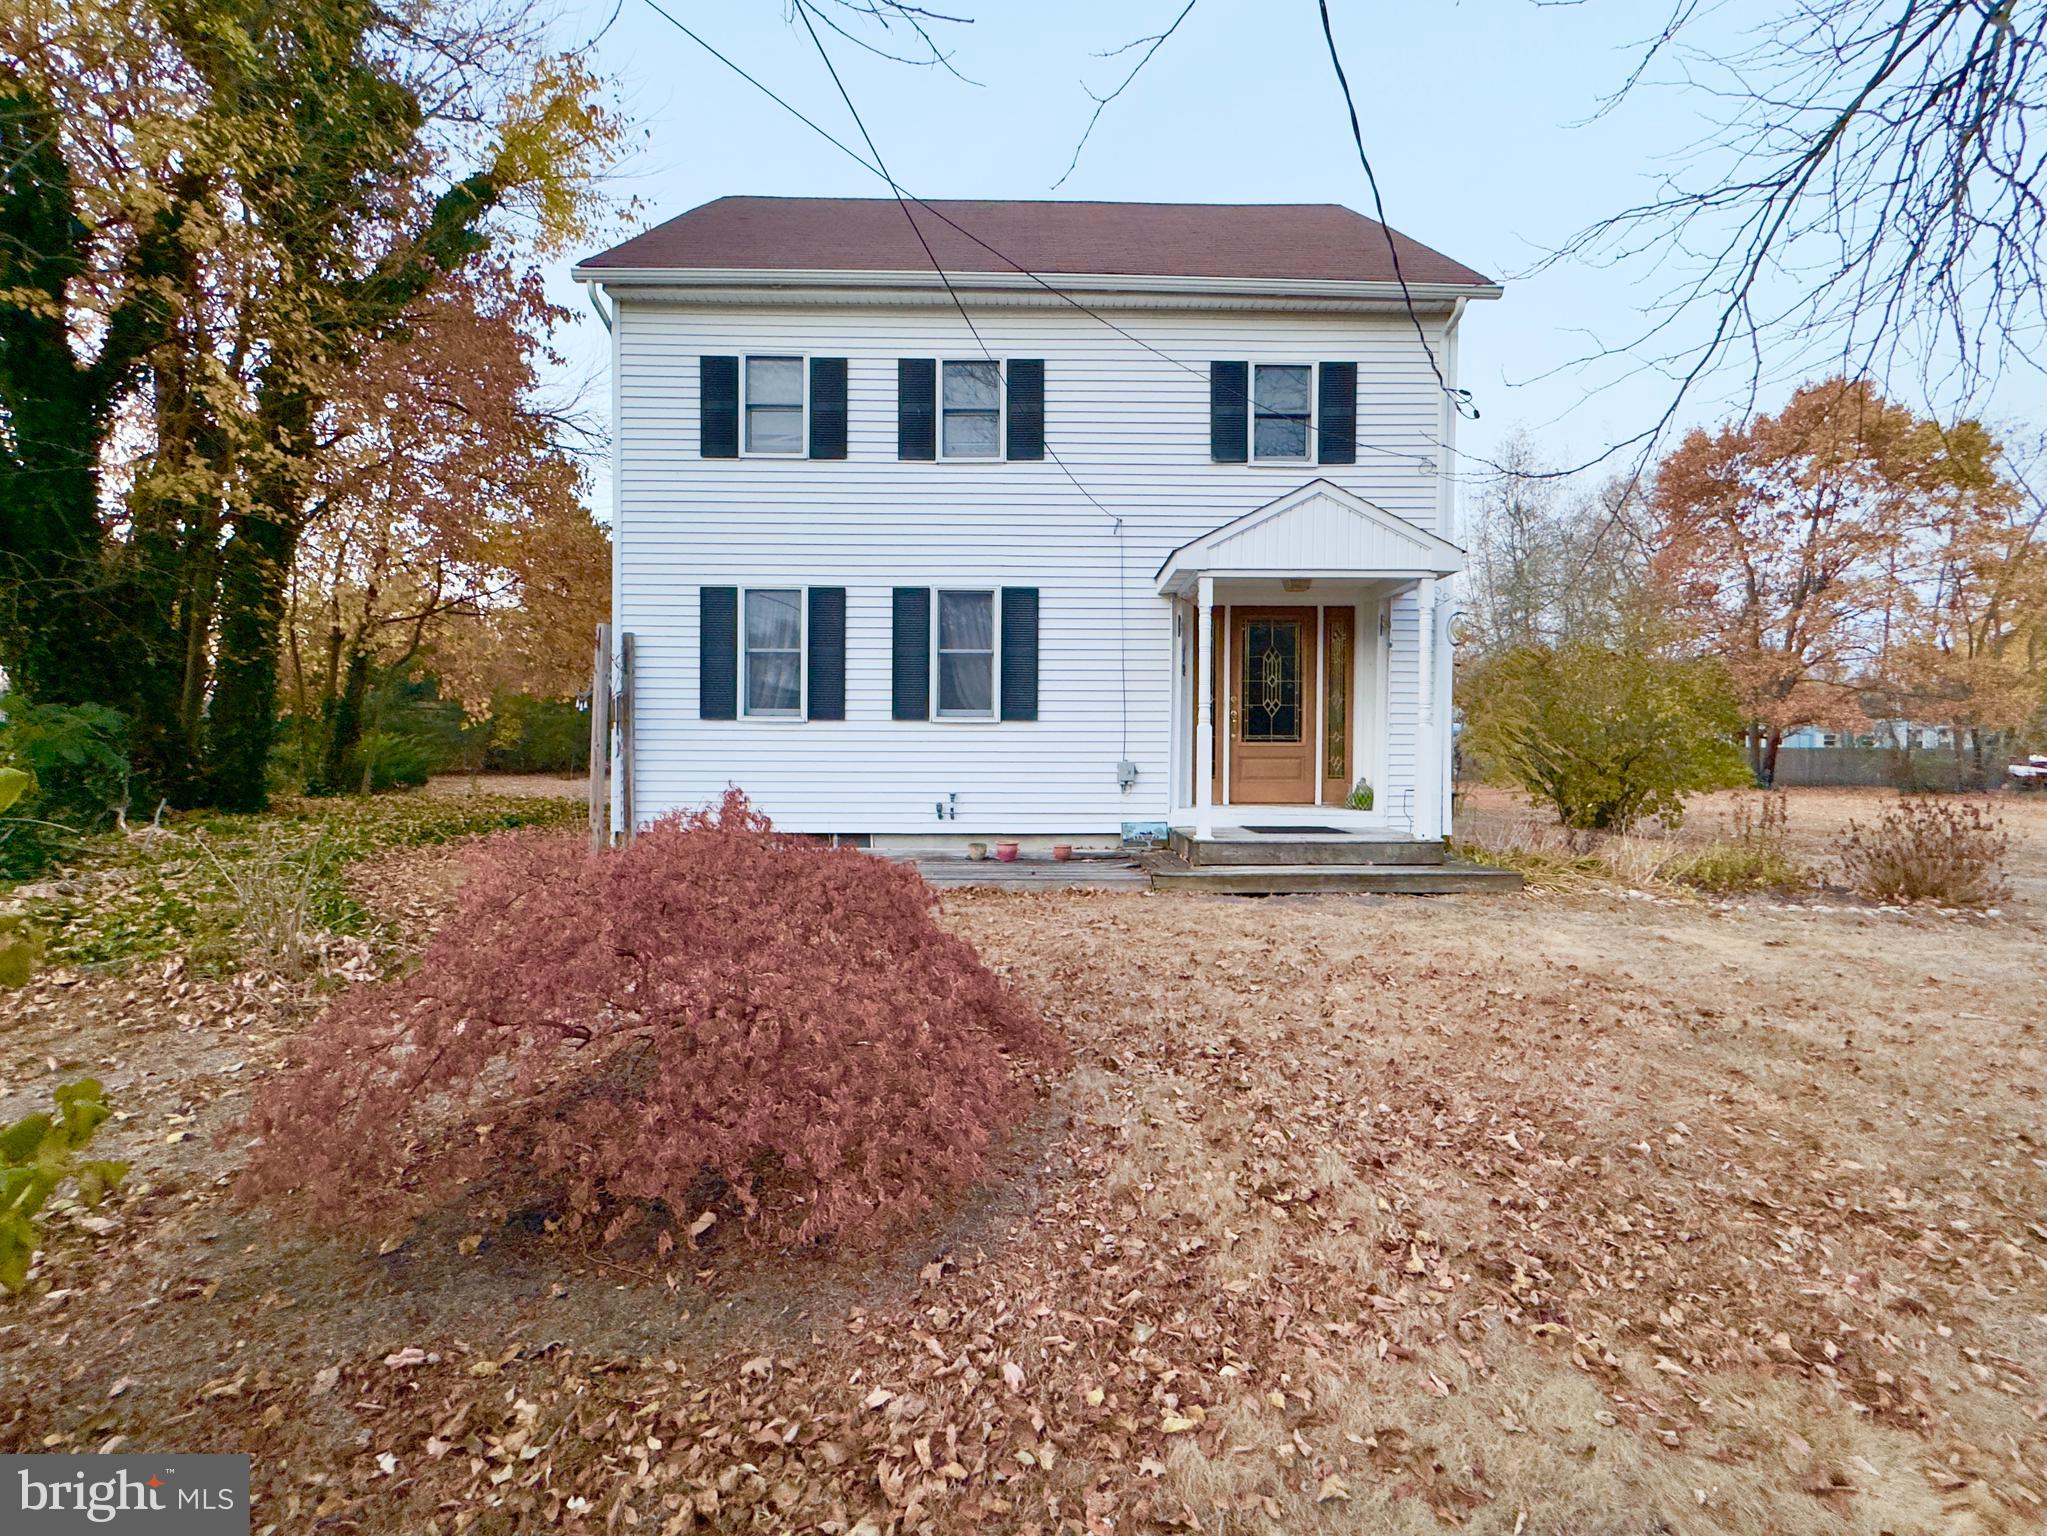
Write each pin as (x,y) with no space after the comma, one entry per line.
(718,653)
(827,653)
(1336,415)
(910,691)
(1229,404)
(1026,407)
(718,407)
(1019,653)
(916,408)
(827,407)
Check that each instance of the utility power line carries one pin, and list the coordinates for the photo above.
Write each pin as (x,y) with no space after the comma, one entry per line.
(1421,461)
(1115,522)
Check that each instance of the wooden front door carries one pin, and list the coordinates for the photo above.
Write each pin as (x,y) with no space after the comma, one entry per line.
(1271,706)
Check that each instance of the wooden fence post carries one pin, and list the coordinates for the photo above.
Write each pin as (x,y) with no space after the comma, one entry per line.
(628,823)
(600,738)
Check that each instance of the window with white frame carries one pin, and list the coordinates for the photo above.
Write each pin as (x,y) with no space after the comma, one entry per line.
(1282,410)
(970,410)
(966,655)
(773,655)
(774,405)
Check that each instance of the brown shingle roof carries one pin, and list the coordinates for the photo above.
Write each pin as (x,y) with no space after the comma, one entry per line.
(1312,241)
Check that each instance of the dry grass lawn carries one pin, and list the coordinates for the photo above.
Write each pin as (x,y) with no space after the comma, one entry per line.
(1518,1214)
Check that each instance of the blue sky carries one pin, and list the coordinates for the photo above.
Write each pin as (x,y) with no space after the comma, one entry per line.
(1474,114)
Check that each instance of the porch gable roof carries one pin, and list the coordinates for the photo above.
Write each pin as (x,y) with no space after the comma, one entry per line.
(1318,529)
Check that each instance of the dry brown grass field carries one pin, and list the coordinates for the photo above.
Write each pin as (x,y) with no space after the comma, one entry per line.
(1574,1212)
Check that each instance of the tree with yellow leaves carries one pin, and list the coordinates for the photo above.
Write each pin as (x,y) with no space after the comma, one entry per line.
(219,212)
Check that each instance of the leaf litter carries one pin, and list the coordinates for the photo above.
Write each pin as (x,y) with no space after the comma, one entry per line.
(1355,1215)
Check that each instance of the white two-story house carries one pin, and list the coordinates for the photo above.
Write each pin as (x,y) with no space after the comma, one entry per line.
(1141,515)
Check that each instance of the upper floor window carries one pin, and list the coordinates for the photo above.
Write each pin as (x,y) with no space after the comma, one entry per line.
(966,655)
(1282,410)
(774,405)
(774,651)
(970,421)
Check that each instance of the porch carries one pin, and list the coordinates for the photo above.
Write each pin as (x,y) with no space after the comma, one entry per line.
(1310,717)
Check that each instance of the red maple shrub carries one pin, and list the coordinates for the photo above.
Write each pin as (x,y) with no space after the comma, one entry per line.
(715,1017)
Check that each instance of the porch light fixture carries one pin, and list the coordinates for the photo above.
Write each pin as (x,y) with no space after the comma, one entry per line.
(1294,584)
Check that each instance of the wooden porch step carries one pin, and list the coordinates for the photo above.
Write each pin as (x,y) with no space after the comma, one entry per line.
(1443,878)
(1233,847)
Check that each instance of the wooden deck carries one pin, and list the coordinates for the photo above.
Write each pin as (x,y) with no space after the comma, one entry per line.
(1444,877)
(952,873)
(1168,871)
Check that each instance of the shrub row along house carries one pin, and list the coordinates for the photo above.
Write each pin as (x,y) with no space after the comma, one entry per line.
(1162,536)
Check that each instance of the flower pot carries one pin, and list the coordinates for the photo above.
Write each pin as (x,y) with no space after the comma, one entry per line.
(1062,851)
(1006,852)
(977,851)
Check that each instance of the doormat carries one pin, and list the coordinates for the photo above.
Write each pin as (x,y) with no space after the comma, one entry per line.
(1298,831)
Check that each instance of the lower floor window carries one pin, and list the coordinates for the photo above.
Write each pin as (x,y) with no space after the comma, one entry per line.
(966,655)
(774,652)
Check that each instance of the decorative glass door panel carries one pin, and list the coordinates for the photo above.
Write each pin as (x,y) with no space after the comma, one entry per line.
(1272,680)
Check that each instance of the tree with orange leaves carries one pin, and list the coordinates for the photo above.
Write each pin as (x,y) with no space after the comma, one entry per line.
(1785,545)
(1970,650)
(448,528)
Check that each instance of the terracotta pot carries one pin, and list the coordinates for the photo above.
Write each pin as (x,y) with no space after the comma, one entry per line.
(977,851)
(1062,851)
(1006,852)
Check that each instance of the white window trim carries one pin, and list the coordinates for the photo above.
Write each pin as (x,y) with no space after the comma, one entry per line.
(802,711)
(1251,453)
(1001,453)
(994,713)
(802,448)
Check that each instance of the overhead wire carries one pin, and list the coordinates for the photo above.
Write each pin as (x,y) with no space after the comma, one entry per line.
(1245,396)
(1115,522)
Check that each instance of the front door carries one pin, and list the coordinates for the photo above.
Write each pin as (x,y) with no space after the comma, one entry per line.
(1271,706)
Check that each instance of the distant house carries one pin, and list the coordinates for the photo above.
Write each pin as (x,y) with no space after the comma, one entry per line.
(1894,735)
(1166,538)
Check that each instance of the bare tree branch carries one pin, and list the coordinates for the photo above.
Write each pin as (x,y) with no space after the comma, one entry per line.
(1871,194)
(1157,41)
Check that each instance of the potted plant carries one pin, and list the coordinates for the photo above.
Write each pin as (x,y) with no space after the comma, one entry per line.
(1361,795)
(1062,852)
(1006,852)
(977,851)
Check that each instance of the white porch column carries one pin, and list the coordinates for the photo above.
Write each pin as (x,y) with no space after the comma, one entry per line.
(1204,705)
(1427,751)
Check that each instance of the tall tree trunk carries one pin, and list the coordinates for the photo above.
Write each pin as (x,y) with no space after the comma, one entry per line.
(345,724)
(54,630)
(255,572)
(1773,740)
(243,722)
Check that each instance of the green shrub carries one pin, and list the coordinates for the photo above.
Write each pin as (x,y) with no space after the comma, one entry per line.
(394,762)
(1727,868)
(530,735)
(1755,856)
(21,949)
(37,1154)
(1606,737)
(77,765)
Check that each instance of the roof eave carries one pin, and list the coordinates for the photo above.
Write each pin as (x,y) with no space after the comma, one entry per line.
(1432,294)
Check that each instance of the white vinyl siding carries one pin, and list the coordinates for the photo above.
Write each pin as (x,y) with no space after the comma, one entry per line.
(1133,429)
